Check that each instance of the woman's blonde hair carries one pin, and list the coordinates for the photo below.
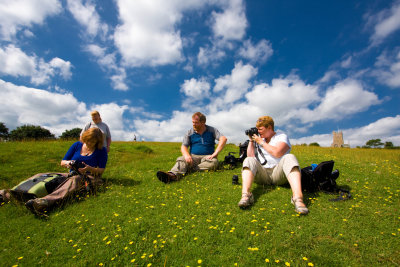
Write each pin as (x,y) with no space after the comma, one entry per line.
(93,135)
(265,121)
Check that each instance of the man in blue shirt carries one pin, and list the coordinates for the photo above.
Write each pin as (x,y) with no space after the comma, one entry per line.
(198,150)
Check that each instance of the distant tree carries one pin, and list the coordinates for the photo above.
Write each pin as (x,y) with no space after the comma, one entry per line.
(3,131)
(30,132)
(314,144)
(388,145)
(71,134)
(374,143)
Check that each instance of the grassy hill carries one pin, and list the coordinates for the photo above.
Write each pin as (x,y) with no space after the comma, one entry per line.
(136,220)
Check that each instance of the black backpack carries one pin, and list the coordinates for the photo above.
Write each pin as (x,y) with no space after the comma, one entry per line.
(323,178)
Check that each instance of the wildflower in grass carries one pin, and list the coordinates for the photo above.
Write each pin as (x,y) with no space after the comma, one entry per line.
(277,261)
(105,238)
(108,243)
(148,265)
(252,233)
(195,238)
(253,249)
(133,260)
(267,260)
(287,263)
(20,258)
(228,213)
(101,264)
(310,264)
(304,258)
(199,261)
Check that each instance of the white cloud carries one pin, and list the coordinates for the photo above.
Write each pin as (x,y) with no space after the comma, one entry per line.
(346,98)
(16,15)
(283,98)
(388,69)
(108,62)
(230,24)
(56,111)
(196,89)
(385,23)
(256,53)
(24,105)
(16,63)
(86,15)
(171,130)
(233,87)
(147,35)
(209,55)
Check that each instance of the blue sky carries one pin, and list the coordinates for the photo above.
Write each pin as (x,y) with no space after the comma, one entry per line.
(314,66)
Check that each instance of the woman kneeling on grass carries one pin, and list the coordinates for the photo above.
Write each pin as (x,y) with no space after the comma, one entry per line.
(278,166)
(92,154)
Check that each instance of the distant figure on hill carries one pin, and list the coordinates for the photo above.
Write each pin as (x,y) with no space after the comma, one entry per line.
(198,150)
(269,162)
(98,123)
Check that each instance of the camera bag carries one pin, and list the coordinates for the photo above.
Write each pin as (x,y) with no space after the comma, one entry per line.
(322,178)
(37,186)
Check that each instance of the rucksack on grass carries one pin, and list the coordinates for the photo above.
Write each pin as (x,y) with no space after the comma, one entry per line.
(322,178)
(37,186)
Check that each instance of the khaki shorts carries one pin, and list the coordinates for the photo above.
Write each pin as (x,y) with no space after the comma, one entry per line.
(271,176)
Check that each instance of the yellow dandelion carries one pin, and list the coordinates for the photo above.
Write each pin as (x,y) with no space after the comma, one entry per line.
(20,258)
(287,263)
(105,238)
(133,260)
(277,261)
(228,213)
(266,260)
(101,264)
(304,258)
(310,264)
(108,242)
(148,265)
(199,261)
(195,238)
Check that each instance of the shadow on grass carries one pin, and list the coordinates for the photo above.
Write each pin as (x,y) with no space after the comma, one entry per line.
(121,181)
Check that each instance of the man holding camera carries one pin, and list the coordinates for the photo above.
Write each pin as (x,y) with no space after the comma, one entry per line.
(269,162)
(198,150)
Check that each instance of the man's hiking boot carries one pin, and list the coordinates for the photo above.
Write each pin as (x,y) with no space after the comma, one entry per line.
(166,177)
(37,205)
(246,200)
(5,196)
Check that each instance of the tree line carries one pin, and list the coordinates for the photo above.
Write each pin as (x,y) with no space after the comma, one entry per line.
(34,132)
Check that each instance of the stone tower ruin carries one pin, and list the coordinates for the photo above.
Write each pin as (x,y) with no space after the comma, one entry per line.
(337,139)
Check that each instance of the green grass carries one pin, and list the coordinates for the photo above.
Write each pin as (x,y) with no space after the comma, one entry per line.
(135,220)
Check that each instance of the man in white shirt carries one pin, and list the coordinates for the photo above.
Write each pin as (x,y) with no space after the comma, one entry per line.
(98,123)
(269,162)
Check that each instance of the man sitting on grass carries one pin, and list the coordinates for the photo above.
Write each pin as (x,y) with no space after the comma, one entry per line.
(202,154)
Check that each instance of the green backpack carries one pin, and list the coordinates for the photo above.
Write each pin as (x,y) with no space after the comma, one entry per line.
(38,186)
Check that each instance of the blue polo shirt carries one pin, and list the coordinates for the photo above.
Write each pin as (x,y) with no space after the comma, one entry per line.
(201,144)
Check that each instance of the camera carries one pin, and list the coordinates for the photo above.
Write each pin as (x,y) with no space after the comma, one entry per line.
(252,131)
(76,165)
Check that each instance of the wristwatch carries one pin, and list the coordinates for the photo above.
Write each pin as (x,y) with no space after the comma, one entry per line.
(262,143)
